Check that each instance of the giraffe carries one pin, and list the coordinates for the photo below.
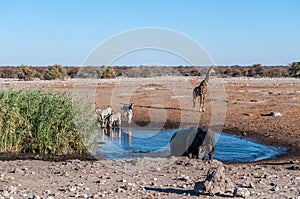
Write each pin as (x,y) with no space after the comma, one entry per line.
(201,91)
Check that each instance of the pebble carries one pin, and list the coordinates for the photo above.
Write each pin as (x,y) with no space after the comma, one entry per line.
(273,184)
(12,189)
(17,170)
(118,190)
(275,188)
(123,180)
(241,192)
(251,185)
(72,189)
(5,194)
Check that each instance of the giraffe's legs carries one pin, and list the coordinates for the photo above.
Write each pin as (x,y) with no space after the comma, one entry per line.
(203,105)
(194,100)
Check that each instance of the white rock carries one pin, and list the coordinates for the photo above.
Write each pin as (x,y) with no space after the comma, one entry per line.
(72,189)
(5,194)
(241,192)
(12,189)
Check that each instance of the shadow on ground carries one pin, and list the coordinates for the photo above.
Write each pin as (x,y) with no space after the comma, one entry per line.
(182,192)
(171,190)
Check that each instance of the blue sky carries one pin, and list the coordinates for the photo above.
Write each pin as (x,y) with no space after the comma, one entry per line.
(232,32)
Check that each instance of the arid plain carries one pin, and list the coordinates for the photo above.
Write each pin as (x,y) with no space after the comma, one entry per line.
(242,106)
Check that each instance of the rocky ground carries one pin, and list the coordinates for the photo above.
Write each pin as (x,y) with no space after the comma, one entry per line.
(96,179)
(167,102)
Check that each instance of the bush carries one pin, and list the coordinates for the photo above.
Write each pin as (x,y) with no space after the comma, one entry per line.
(55,72)
(236,73)
(194,72)
(37,121)
(295,69)
(106,72)
(26,73)
(228,72)
(72,71)
(8,73)
(259,70)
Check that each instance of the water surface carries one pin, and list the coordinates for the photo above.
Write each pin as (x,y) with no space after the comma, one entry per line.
(133,143)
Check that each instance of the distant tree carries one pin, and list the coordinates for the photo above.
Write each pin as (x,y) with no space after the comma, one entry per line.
(106,72)
(250,72)
(236,73)
(273,72)
(8,73)
(259,70)
(194,72)
(294,70)
(221,70)
(40,71)
(55,72)
(72,72)
(26,73)
(227,72)
(243,71)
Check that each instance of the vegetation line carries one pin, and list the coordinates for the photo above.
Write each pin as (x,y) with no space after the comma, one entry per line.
(57,71)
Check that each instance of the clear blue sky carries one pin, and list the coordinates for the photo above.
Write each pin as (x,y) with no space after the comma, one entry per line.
(243,32)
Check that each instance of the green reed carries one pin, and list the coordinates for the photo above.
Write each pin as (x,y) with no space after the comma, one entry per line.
(38,121)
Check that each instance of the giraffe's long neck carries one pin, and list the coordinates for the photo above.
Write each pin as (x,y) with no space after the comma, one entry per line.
(208,74)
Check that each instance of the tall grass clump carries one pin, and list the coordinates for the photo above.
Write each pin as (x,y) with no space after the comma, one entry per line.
(38,121)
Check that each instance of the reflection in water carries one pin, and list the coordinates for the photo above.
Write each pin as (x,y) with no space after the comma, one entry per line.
(133,143)
(142,141)
(116,135)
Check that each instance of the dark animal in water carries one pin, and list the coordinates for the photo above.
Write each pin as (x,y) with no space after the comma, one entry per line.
(193,142)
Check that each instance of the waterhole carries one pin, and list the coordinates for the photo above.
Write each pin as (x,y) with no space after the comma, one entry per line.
(134,143)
